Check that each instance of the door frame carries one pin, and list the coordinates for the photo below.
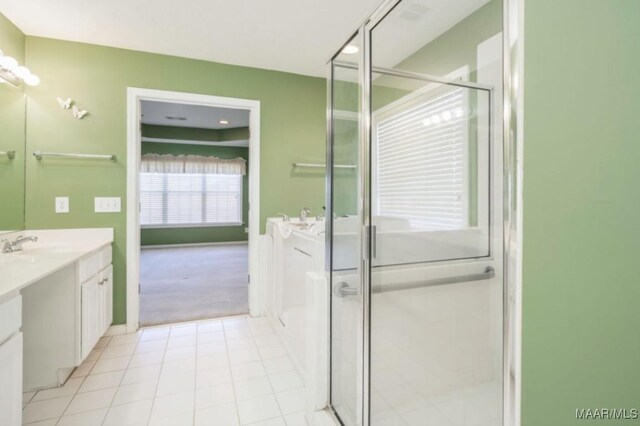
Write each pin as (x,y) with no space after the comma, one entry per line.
(134,98)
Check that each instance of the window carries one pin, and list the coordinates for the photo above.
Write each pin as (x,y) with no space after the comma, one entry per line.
(421,149)
(171,199)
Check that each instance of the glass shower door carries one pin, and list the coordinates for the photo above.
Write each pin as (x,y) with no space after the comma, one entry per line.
(436,216)
(345,219)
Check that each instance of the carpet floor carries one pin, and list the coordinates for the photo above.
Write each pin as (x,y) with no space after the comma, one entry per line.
(191,283)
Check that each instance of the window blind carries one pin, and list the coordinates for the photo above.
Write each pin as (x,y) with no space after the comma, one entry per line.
(190,199)
(422,162)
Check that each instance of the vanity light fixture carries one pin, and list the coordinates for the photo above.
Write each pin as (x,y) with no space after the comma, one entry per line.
(16,74)
(223,121)
(350,49)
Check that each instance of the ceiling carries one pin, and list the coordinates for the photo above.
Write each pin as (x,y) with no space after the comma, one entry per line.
(194,116)
(295,36)
(197,116)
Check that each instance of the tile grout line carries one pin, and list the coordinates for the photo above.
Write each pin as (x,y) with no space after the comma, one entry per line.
(155,393)
(233,384)
(76,391)
(121,379)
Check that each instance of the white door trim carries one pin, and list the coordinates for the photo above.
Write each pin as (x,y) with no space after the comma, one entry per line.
(134,97)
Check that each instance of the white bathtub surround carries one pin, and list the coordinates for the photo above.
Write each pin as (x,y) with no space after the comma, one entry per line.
(214,372)
(55,303)
(297,302)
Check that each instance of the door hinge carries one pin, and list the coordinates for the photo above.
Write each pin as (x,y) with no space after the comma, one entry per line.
(248,279)
(138,288)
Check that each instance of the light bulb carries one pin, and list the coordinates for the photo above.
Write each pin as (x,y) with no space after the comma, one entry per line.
(32,80)
(350,49)
(458,112)
(22,72)
(426,122)
(446,116)
(436,119)
(8,63)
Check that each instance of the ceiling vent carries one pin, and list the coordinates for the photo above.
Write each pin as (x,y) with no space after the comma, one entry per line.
(171,117)
(414,12)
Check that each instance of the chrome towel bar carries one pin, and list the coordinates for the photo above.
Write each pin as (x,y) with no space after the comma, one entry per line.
(342,289)
(40,155)
(9,154)
(324,166)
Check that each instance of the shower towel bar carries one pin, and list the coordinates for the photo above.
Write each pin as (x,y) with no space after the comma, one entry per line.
(9,154)
(324,166)
(342,289)
(39,155)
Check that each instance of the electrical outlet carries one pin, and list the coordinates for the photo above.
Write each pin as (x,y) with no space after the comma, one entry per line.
(246,230)
(107,204)
(62,204)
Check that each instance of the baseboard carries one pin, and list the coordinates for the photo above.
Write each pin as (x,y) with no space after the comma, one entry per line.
(115,330)
(222,243)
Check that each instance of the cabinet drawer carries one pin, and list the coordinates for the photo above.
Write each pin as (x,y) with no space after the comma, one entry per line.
(90,265)
(10,317)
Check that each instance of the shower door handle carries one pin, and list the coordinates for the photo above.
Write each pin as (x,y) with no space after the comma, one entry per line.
(342,289)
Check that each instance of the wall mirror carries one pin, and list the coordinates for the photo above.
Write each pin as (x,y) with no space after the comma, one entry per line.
(12,135)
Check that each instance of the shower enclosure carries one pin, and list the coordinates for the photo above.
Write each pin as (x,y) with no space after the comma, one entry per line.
(419,209)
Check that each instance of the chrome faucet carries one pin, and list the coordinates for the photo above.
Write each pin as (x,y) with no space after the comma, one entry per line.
(285,217)
(304,213)
(321,215)
(16,245)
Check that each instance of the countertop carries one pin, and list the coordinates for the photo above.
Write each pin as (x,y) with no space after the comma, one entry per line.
(54,250)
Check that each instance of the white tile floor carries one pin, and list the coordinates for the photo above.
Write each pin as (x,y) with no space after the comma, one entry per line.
(227,372)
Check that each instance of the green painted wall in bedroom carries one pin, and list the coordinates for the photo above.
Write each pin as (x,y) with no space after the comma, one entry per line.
(581,285)
(12,137)
(204,234)
(292,129)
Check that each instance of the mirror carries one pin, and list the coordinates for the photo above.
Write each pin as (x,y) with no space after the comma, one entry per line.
(12,135)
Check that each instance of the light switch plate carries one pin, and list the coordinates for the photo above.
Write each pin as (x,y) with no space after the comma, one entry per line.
(107,204)
(62,204)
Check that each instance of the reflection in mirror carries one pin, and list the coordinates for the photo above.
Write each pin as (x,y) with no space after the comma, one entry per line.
(12,135)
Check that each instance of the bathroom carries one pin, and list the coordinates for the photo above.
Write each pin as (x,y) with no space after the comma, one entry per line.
(436,212)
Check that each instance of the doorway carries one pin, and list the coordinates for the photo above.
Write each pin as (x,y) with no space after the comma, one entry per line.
(194,190)
(192,241)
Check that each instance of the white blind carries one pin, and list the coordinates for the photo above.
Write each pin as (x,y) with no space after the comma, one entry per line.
(190,199)
(421,162)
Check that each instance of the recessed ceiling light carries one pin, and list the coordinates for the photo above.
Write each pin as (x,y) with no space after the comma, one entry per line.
(350,49)
(223,121)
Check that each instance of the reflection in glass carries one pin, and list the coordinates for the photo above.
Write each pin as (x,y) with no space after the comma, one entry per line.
(436,348)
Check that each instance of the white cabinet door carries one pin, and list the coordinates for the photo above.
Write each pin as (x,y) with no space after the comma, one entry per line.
(11,380)
(106,298)
(91,297)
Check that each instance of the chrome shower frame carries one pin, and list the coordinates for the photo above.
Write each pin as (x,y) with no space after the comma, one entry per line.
(512,203)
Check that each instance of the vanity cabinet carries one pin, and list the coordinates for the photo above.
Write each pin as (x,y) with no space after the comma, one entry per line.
(96,293)
(11,362)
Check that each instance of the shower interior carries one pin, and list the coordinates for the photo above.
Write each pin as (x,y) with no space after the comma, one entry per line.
(415,242)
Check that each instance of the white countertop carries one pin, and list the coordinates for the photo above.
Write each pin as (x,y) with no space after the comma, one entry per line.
(54,250)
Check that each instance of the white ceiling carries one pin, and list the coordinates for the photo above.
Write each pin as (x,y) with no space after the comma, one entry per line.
(197,116)
(295,36)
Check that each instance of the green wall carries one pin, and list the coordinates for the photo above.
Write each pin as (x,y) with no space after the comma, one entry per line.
(581,274)
(194,134)
(203,234)
(12,137)
(292,129)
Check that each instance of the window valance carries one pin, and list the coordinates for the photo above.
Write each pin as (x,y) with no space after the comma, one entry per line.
(168,163)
